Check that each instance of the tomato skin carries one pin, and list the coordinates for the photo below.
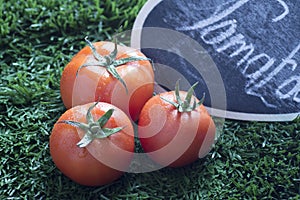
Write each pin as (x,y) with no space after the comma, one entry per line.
(84,165)
(95,83)
(171,138)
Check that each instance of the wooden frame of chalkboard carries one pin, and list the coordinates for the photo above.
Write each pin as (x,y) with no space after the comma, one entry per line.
(254,45)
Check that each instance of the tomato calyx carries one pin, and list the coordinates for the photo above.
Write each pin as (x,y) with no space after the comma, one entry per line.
(185,105)
(93,129)
(110,62)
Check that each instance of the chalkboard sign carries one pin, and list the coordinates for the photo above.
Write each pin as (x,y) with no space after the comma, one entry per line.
(245,54)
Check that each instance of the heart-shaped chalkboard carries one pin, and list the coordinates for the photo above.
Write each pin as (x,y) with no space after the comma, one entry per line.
(245,54)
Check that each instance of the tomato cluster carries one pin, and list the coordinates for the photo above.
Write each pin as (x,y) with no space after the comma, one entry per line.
(105,88)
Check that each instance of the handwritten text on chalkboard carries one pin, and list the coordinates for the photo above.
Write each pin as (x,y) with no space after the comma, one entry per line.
(223,36)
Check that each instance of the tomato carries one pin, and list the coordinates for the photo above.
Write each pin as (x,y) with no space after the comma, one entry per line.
(106,72)
(92,144)
(175,132)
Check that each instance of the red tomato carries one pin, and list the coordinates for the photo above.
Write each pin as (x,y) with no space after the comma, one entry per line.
(92,161)
(94,82)
(175,135)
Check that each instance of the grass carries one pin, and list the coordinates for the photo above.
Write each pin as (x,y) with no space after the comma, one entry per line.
(252,160)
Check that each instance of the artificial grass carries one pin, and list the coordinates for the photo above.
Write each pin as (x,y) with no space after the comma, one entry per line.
(251,160)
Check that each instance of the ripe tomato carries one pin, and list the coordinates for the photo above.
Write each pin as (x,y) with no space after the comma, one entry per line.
(174,132)
(92,152)
(100,72)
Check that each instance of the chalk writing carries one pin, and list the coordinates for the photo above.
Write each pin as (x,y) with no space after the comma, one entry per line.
(238,39)
(286,11)
(259,68)
(294,92)
(218,16)
(214,18)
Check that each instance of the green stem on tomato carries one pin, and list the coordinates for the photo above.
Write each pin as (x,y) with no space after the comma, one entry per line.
(185,105)
(93,129)
(110,62)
